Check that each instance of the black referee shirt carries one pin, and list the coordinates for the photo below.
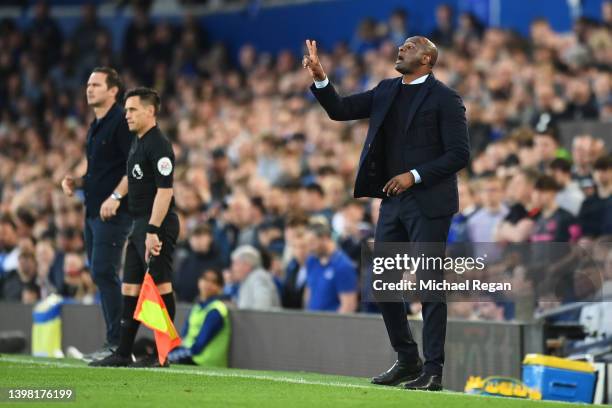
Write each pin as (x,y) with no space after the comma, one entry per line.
(108,145)
(150,166)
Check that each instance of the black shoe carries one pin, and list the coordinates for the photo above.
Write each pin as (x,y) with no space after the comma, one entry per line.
(104,352)
(398,373)
(150,361)
(114,360)
(425,382)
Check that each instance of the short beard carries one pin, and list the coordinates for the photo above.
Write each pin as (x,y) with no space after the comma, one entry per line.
(97,104)
(403,70)
(408,68)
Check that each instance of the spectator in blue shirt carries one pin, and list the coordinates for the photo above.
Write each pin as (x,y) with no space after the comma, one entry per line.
(331,278)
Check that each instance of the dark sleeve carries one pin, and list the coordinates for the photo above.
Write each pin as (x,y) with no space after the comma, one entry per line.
(161,156)
(357,106)
(124,138)
(453,131)
(567,223)
(212,325)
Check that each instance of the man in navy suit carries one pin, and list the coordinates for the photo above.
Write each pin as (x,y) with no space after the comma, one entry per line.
(416,143)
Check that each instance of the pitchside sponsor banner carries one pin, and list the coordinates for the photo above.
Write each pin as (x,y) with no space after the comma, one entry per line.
(545,273)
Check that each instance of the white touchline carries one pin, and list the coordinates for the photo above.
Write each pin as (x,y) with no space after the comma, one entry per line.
(257,377)
(206,374)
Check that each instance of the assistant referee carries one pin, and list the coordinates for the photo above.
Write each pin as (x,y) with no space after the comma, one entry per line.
(150,170)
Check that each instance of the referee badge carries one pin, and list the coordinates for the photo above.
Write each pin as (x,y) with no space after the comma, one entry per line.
(137,172)
(164,166)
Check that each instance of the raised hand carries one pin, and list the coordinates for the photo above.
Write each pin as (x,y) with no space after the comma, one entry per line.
(68,185)
(312,63)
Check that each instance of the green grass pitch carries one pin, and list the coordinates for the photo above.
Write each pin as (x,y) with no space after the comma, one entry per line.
(186,386)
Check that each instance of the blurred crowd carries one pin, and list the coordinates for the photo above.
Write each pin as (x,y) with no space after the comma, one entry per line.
(264,178)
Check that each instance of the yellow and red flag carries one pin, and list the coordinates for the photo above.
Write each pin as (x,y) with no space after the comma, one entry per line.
(151,311)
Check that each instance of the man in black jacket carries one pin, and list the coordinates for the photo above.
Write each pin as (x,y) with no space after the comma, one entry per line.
(107,220)
(416,143)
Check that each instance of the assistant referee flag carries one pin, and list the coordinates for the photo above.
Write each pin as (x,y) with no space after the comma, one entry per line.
(151,311)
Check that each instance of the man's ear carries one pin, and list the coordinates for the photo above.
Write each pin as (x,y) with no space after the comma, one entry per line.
(114,91)
(151,110)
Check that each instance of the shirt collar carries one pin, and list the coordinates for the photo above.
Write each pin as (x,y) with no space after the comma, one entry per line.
(208,301)
(111,112)
(419,80)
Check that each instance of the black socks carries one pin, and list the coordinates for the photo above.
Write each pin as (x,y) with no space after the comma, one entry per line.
(170,304)
(129,326)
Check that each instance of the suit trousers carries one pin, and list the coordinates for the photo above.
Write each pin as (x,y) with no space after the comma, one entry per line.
(401,220)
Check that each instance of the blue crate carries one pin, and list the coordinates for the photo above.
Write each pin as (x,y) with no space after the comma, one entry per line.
(560,384)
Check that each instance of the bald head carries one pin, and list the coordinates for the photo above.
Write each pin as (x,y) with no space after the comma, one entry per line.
(416,55)
(427,47)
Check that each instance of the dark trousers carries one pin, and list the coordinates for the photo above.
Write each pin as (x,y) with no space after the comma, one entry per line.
(400,220)
(104,241)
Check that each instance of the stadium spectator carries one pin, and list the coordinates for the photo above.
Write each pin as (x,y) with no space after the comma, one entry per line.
(219,168)
(30,294)
(9,250)
(444,32)
(518,223)
(549,107)
(581,101)
(85,37)
(44,30)
(398,27)
(458,231)
(16,280)
(48,278)
(314,201)
(595,215)
(482,224)
(554,224)
(583,157)
(546,146)
(296,252)
(367,36)
(78,284)
(295,272)
(256,286)
(570,197)
(352,229)
(331,277)
(205,336)
(202,255)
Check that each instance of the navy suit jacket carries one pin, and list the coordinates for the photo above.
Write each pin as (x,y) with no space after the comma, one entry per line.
(437,142)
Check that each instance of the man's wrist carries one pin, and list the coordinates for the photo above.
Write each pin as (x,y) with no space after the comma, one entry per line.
(116,196)
(322,83)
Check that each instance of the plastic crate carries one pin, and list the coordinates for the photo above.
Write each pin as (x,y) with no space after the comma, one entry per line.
(559,379)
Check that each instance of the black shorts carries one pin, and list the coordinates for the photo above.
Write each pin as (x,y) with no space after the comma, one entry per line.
(160,266)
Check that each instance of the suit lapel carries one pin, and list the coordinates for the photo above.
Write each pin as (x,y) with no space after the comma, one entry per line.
(387,101)
(381,113)
(418,99)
